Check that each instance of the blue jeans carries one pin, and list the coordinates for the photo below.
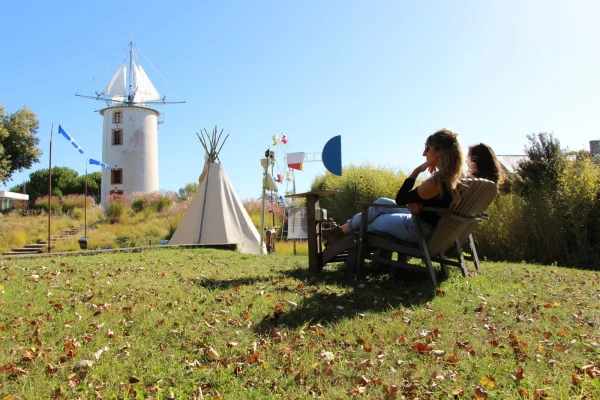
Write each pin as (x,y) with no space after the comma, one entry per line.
(397,222)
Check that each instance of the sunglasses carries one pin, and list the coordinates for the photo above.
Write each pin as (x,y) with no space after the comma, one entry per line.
(426,147)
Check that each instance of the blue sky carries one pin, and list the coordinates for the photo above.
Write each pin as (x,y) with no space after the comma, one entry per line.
(383,74)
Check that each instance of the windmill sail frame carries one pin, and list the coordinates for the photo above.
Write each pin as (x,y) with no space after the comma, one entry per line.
(139,91)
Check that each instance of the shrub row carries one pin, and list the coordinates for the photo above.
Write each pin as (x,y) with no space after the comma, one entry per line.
(550,225)
(66,205)
(118,206)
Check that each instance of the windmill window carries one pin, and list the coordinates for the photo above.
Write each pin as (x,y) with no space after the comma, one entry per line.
(117,117)
(116,176)
(117,137)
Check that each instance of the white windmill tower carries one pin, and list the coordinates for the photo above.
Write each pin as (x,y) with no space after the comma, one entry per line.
(130,130)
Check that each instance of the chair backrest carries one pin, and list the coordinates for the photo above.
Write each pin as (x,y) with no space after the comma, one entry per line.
(475,197)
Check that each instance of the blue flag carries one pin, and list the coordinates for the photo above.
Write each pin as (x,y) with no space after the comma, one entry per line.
(70,139)
(96,162)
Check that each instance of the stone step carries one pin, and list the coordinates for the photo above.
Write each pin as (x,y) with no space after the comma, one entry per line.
(24,250)
(14,253)
(36,245)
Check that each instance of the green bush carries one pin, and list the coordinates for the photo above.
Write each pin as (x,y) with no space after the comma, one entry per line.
(138,205)
(126,241)
(159,201)
(161,204)
(42,204)
(73,201)
(77,213)
(364,183)
(171,228)
(116,209)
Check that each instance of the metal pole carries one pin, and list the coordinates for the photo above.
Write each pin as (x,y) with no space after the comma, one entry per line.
(272,167)
(262,219)
(282,220)
(131,93)
(85,207)
(50,186)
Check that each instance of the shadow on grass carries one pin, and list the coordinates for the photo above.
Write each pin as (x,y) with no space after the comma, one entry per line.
(379,291)
(226,284)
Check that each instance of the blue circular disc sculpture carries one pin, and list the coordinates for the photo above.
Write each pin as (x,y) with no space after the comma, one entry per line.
(332,155)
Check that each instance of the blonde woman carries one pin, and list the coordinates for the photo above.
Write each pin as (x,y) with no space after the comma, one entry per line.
(443,153)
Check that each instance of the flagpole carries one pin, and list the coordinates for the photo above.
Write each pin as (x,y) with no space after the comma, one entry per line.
(85,207)
(50,187)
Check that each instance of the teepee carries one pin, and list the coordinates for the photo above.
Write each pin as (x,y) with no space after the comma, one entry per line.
(215,214)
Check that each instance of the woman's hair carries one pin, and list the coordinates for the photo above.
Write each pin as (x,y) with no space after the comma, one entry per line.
(483,162)
(451,160)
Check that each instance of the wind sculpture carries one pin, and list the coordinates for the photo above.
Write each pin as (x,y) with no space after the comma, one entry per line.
(331,156)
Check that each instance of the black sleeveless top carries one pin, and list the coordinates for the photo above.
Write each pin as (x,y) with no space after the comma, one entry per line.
(407,194)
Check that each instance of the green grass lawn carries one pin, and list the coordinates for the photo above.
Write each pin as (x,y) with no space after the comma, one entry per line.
(199,324)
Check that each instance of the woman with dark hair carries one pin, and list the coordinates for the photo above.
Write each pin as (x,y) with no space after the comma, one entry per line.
(444,153)
(483,163)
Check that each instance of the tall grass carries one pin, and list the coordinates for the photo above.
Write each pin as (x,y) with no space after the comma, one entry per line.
(18,238)
(274,214)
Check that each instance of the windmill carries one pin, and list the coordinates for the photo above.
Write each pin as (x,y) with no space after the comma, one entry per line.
(130,128)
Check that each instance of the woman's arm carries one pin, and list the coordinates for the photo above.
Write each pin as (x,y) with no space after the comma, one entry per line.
(425,191)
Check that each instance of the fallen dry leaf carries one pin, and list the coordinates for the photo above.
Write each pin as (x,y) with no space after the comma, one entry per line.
(364,364)
(518,375)
(83,364)
(391,390)
(480,394)
(212,353)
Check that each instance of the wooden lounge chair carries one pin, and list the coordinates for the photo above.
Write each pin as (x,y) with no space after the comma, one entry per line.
(453,229)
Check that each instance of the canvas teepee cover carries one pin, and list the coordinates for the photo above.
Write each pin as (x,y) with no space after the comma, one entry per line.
(216,215)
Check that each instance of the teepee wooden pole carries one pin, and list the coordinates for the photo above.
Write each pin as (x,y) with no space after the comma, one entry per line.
(224,140)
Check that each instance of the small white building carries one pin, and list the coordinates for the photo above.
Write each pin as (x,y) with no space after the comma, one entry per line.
(7,198)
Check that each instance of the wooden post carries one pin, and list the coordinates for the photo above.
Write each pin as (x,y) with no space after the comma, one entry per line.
(314,259)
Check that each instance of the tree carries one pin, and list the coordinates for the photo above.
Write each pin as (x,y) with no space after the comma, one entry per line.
(544,166)
(18,142)
(188,190)
(364,183)
(64,182)
(93,185)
